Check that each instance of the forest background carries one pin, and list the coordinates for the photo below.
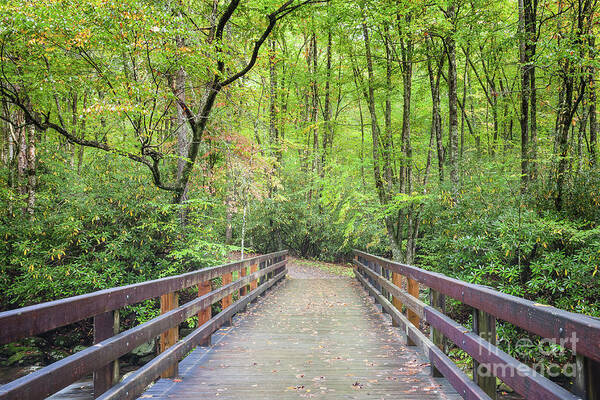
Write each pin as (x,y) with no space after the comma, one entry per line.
(145,138)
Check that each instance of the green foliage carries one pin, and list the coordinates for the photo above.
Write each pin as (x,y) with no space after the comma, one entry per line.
(105,228)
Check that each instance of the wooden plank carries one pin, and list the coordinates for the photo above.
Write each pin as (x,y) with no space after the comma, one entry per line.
(484,325)
(574,330)
(106,325)
(243,273)
(32,320)
(205,314)
(438,301)
(254,283)
(413,290)
(587,379)
(50,379)
(226,302)
(169,302)
(135,384)
(397,280)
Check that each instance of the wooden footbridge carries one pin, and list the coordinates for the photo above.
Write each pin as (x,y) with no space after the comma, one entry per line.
(306,338)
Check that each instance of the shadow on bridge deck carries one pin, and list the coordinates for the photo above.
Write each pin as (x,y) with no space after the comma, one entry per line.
(306,338)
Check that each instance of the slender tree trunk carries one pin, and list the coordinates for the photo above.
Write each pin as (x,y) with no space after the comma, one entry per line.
(273,120)
(533,167)
(82,128)
(524,60)
(386,143)
(407,71)
(31,170)
(436,117)
(592,105)
(452,107)
(21,153)
(466,80)
(328,132)
(315,103)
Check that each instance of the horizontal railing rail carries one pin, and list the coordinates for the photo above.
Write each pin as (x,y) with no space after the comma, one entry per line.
(579,332)
(102,357)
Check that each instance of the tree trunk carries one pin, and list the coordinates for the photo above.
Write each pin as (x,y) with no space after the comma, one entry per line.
(592,105)
(407,70)
(328,132)
(31,170)
(436,117)
(452,107)
(273,128)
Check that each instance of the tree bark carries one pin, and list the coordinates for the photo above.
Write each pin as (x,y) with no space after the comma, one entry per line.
(452,106)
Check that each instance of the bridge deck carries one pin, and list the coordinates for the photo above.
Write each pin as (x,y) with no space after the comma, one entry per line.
(307,338)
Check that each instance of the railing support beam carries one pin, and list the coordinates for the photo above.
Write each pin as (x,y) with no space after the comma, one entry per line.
(396,280)
(205,314)
(106,325)
(243,273)
(168,302)
(413,290)
(587,379)
(484,325)
(438,301)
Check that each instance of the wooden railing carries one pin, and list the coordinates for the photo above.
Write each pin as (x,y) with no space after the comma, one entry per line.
(110,344)
(578,332)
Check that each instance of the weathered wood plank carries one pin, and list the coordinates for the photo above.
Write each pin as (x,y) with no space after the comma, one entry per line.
(438,301)
(106,325)
(206,313)
(169,302)
(484,325)
(243,273)
(226,302)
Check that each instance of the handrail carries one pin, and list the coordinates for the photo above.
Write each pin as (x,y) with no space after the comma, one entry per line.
(39,318)
(543,320)
(97,358)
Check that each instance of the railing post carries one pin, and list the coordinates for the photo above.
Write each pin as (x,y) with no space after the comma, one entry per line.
(484,325)
(243,273)
(413,290)
(254,283)
(261,265)
(587,379)
(397,281)
(438,301)
(204,315)
(377,269)
(168,302)
(106,325)
(226,279)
